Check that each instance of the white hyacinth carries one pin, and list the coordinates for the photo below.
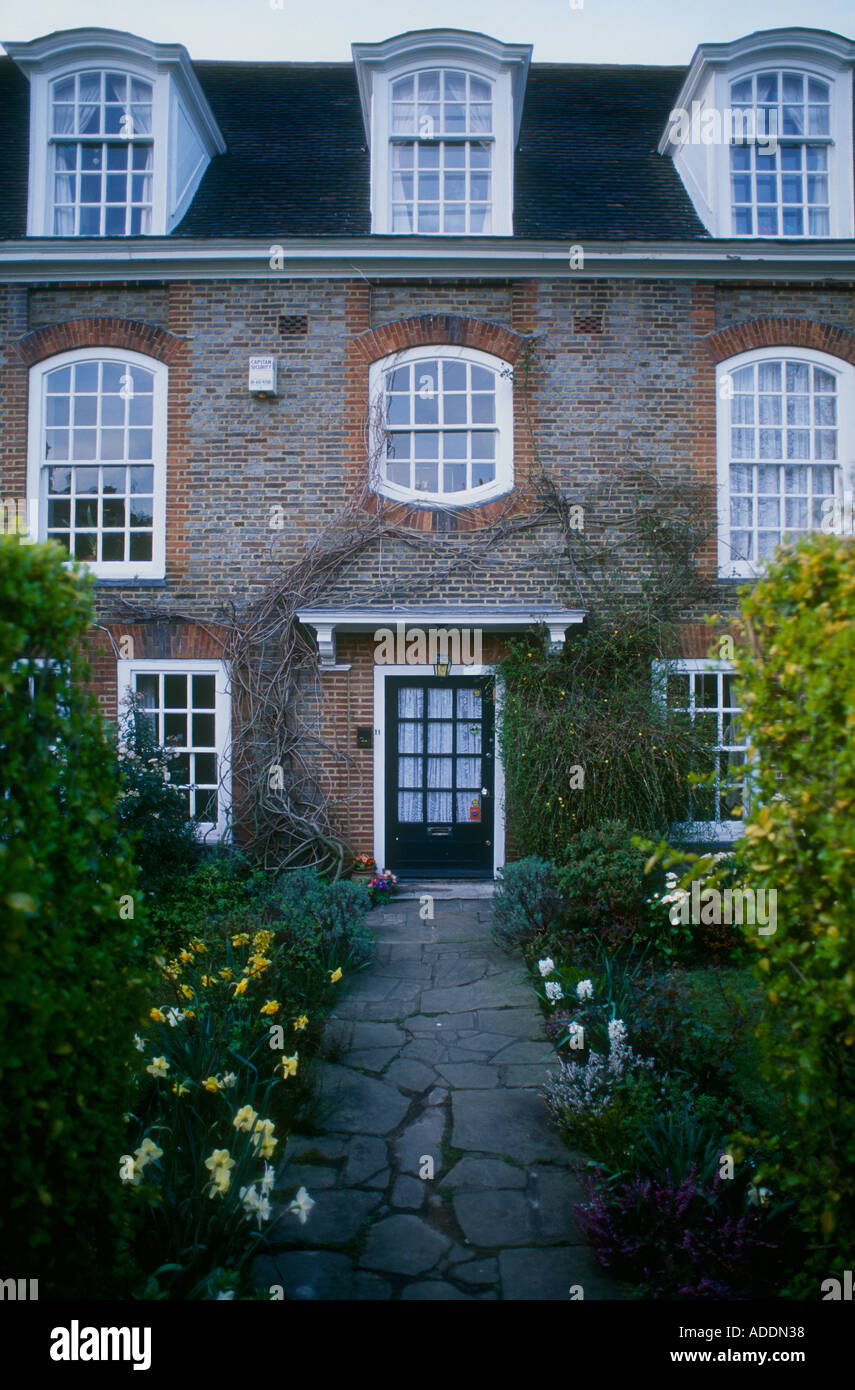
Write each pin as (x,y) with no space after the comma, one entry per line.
(546,966)
(585,989)
(554,992)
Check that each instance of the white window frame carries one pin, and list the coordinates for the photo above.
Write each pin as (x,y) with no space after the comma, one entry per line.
(781,142)
(126,670)
(147,140)
(497,138)
(176,93)
(503,66)
(504,480)
(712,831)
(728,566)
(838,144)
(36,465)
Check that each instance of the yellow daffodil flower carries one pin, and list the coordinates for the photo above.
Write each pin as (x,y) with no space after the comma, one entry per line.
(220,1165)
(158,1066)
(211,1084)
(240,987)
(271,1007)
(335,976)
(300,1023)
(245,1118)
(156,1016)
(241,939)
(289,1065)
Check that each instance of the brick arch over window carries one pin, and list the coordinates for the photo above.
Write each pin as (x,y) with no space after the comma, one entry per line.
(783,333)
(55,338)
(440,330)
(450,330)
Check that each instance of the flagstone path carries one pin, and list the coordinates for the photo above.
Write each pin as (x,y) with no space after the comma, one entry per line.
(434,1059)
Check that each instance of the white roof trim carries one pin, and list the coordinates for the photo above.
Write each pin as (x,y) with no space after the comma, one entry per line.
(429,46)
(766,46)
(67,46)
(41,260)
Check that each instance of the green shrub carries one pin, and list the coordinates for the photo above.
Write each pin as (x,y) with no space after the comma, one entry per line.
(796,666)
(151,810)
(526,903)
(71,988)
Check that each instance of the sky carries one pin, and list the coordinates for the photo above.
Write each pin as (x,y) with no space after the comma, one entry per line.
(562,31)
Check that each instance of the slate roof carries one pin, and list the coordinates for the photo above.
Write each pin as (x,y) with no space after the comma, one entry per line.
(297,163)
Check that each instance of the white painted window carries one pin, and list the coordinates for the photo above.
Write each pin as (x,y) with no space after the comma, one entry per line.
(702,695)
(101,154)
(120,134)
(97,459)
(780,187)
(188,706)
(441,152)
(442,112)
(442,426)
(785,428)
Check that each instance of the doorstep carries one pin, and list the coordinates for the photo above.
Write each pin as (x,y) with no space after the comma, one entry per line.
(444,888)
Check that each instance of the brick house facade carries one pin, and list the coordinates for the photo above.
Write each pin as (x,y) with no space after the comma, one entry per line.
(611,280)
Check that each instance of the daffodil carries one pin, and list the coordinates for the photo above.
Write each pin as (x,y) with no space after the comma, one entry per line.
(271,1007)
(180,1088)
(220,1166)
(229,1080)
(240,987)
(139,1043)
(301,1206)
(147,1152)
(289,1065)
(242,939)
(335,976)
(245,1118)
(269,1178)
(225,973)
(158,1066)
(211,1083)
(301,1023)
(185,957)
(262,1138)
(198,946)
(187,991)
(156,1016)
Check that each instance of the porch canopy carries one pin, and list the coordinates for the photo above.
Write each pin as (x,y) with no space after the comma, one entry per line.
(327,622)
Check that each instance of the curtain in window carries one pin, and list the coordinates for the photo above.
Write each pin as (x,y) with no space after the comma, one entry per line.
(410,702)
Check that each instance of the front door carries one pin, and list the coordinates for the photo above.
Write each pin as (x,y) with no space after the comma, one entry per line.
(440,776)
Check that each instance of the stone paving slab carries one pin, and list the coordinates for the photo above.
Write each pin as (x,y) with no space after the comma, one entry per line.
(438,1176)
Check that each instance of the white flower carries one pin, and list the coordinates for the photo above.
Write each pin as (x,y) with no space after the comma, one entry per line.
(139,1043)
(585,989)
(554,992)
(546,966)
(269,1178)
(229,1080)
(222,1297)
(301,1206)
(617,1032)
(174,1017)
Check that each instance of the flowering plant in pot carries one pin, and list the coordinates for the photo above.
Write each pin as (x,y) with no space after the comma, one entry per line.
(382,886)
(363,867)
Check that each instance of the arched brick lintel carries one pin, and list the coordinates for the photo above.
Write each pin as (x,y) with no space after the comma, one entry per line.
(783,333)
(55,338)
(439,330)
(161,639)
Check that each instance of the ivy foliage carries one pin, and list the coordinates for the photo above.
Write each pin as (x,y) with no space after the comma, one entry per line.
(70,992)
(796,664)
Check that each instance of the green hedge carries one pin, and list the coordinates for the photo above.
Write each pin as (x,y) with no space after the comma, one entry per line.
(70,997)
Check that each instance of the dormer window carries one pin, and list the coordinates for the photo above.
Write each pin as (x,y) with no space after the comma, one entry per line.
(120,134)
(761,135)
(779,181)
(441,152)
(102,154)
(442,111)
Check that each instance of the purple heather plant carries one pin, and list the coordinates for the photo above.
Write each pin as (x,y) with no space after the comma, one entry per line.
(676,1240)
